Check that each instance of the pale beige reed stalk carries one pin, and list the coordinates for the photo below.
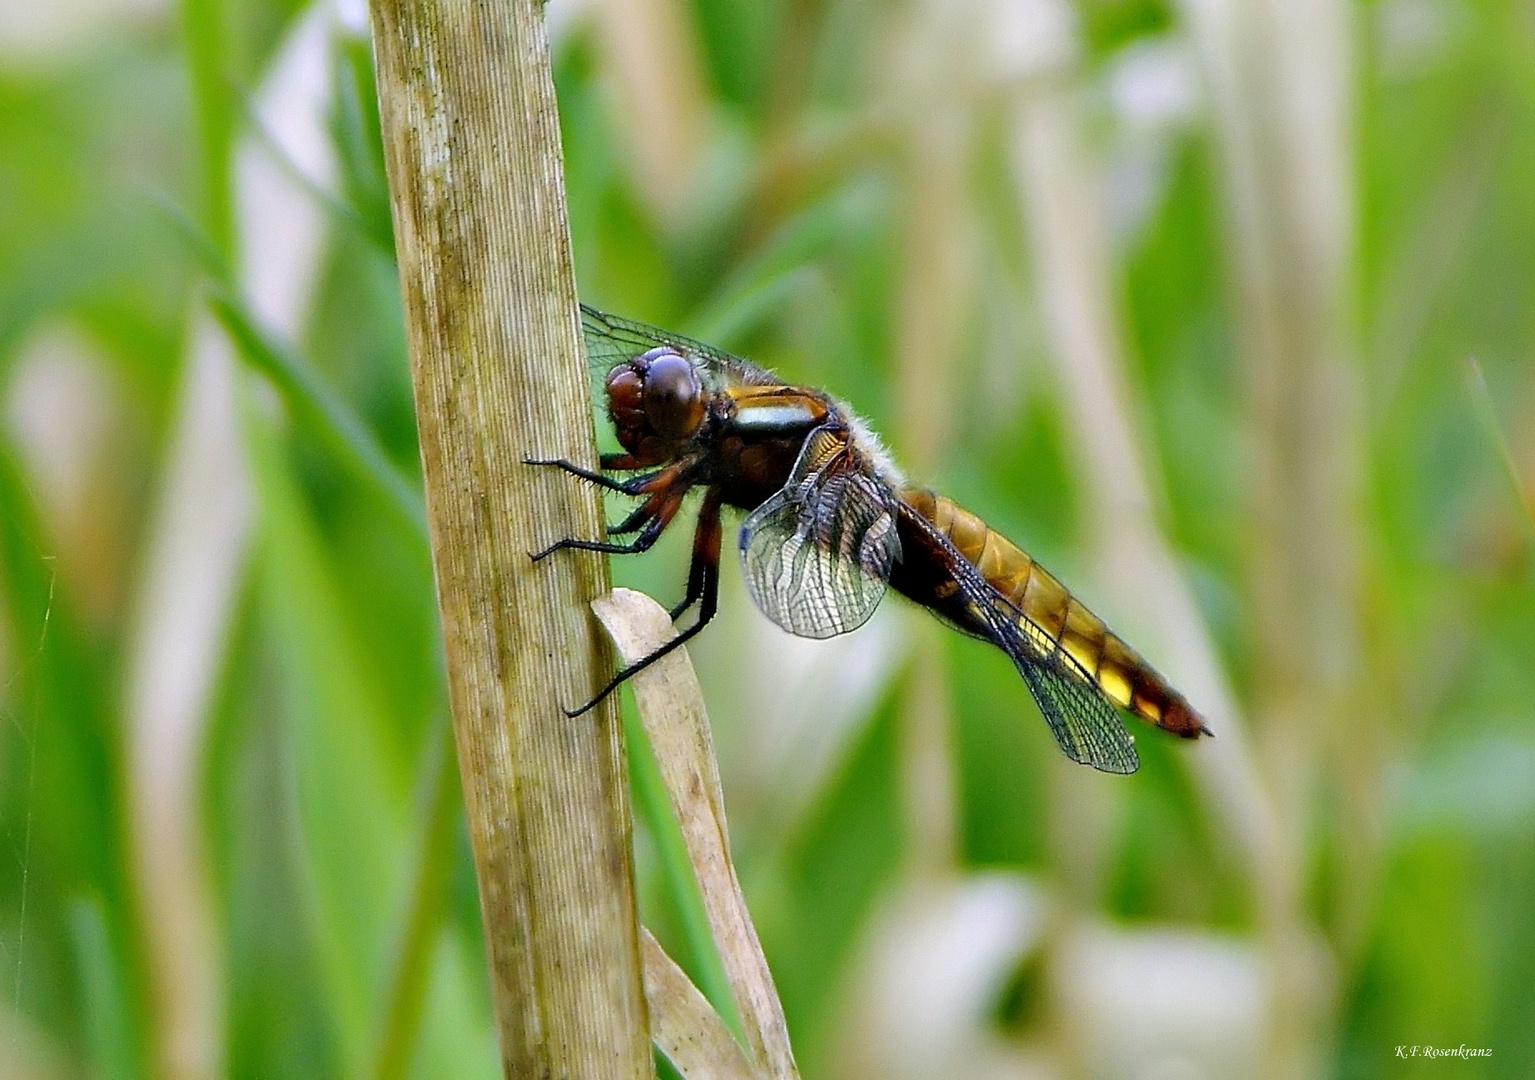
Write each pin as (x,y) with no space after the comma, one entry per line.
(196,553)
(1281,88)
(473,154)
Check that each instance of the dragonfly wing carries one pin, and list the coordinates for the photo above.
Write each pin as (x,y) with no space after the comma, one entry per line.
(1083,720)
(612,340)
(817,555)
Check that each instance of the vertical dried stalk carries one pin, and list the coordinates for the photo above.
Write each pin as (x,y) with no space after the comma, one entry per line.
(1068,235)
(936,129)
(476,182)
(191,576)
(658,82)
(1279,73)
(1072,262)
(196,554)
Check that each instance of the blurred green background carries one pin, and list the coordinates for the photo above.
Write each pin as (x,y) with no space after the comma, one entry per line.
(1225,311)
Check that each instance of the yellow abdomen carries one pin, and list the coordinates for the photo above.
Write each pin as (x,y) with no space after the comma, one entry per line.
(1053,619)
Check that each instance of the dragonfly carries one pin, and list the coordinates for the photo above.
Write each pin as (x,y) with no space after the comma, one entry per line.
(831,525)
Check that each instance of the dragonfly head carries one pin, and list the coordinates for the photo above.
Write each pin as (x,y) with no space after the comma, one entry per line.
(655,402)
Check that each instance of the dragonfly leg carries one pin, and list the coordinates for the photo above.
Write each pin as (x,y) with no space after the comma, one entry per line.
(665,488)
(660,517)
(708,514)
(641,514)
(706,560)
(695,589)
(623,487)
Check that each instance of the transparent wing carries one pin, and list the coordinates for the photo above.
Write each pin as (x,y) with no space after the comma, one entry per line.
(1083,720)
(817,555)
(612,340)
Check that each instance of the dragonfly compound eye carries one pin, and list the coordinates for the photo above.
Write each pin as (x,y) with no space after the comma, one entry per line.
(673,398)
(626,392)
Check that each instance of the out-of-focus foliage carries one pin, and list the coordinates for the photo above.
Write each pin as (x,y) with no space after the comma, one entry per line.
(333,849)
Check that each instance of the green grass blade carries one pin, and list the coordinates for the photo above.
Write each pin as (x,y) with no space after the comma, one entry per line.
(204,38)
(107,1010)
(1487,413)
(319,405)
(655,811)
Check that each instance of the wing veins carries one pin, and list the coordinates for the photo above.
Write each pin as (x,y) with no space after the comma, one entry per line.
(811,556)
(612,339)
(1085,723)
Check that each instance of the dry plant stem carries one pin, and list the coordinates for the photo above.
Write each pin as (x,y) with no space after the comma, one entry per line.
(684,1026)
(1068,234)
(652,60)
(196,551)
(671,708)
(1280,75)
(476,185)
(936,132)
(1068,238)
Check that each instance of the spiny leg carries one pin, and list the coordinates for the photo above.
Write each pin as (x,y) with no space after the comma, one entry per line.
(706,567)
(637,517)
(695,566)
(665,488)
(632,486)
(695,589)
(660,517)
